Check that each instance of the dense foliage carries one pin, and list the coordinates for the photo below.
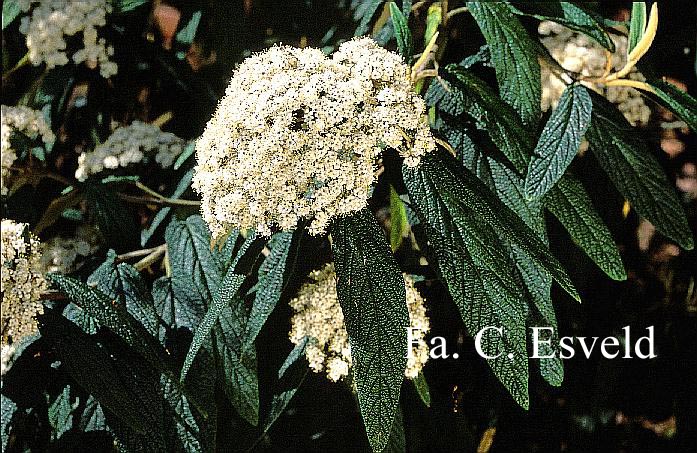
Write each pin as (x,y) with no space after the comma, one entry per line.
(173,271)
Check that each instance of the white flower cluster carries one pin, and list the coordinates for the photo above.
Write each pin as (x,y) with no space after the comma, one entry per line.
(578,53)
(51,21)
(22,282)
(61,255)
(7,352)
(318,316)
(299,135)
(128,145)
(23,120)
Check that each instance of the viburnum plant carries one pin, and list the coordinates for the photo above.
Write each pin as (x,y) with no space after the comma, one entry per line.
(460,161)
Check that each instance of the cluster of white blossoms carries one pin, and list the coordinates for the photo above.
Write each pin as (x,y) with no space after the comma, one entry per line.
(20,120)
(62,255)
(318,317)
(132,144)
(22,282)
(578,53)
(7,352)
(51,21)
(298,135)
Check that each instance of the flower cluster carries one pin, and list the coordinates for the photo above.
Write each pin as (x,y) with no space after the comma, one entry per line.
(130,145)
(22,120)
(318,316)
(22,282)
(298,135)
(578,53)
(62,255)
(51,21)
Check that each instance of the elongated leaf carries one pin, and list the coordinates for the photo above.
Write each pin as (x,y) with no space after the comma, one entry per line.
(371,293)
(680,102)
(572,206)
(538,280)
(196,269)
(401,31)
(514,56)
(399,224)
(93,369)
(559,142)
(10,11)
(111,315)
(461,92)
(421,386)
(123,283)
(572,15)
(239,369)
(637,25)
(270,285)
(290,376)
(225,295)
(162,214)
(60,414)
(636,172)
(473,263)
(7,410)
(364,13)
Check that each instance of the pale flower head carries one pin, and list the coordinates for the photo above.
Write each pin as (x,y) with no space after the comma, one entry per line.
(22,282)
(49,23)
(318,317)
(578,53)
(20,120)
(130,145)
(298,135)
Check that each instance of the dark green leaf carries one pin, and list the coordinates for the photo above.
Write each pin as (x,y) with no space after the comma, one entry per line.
(10,11)
(189,150)
(95,371)
(269,286)
(60,413)
(680,102)
(460,92)
(635,172)
(473,262)
(514,57)
(111,314)
(371,293)
(401,31)
(92,417)
(421,386)
(226,294)
(572,15)
(290,375)
(559,142)
(122,282)
(637,25)
(364,13)
(7,410)
(572,206)
(397,443)
(538,280)
(399,224)
(122,6)
(239,370)
(196,269)
(187,34)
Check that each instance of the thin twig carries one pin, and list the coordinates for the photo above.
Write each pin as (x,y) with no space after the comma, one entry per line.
(158,201)
(139,253)
(456,11)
